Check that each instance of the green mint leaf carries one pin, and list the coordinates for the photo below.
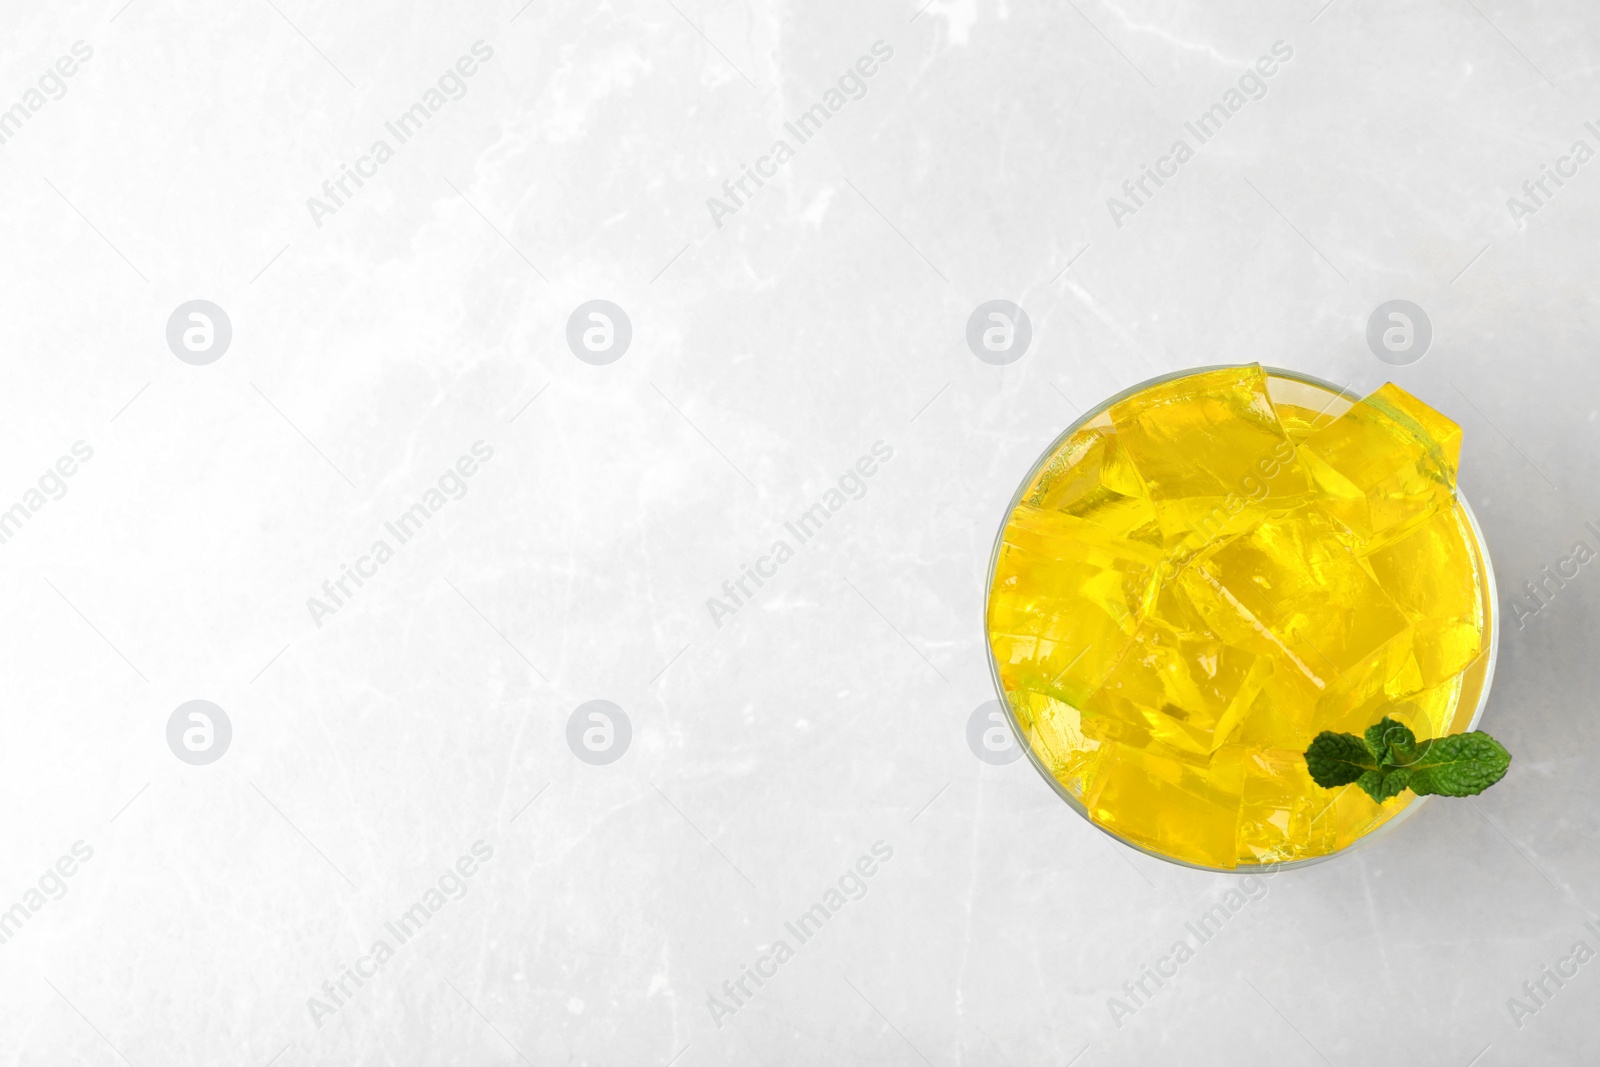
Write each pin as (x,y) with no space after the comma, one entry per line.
(1338,759)
(1461,765)
(1388,759)
(1384,784)
(1391,741)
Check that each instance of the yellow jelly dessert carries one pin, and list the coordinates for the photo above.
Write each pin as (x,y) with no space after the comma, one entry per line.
(1211,571)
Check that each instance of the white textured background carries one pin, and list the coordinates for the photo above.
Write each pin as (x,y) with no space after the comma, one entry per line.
(769,354)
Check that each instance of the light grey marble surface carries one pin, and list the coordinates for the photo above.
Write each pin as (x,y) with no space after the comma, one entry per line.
(379,336)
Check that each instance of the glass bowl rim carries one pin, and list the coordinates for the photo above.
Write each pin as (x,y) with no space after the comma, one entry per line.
(1491,619)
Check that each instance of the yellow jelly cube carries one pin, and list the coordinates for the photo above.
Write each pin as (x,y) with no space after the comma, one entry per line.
(1066,595)
(1072,472)
(1290,590)
(1277,719)
(1056,736)
(1168,805)
(1431,574)
(1347,706)
(1091,478)
(1210,451)
(1300,422)
(1277,802)
(1182,684)
(1340,816)
(1442,435)
(1386,465)
(1436,710)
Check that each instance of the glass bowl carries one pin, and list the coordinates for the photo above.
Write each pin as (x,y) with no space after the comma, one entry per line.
(1284,386)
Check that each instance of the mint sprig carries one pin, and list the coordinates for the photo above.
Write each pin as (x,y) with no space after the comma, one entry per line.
(1388,759)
